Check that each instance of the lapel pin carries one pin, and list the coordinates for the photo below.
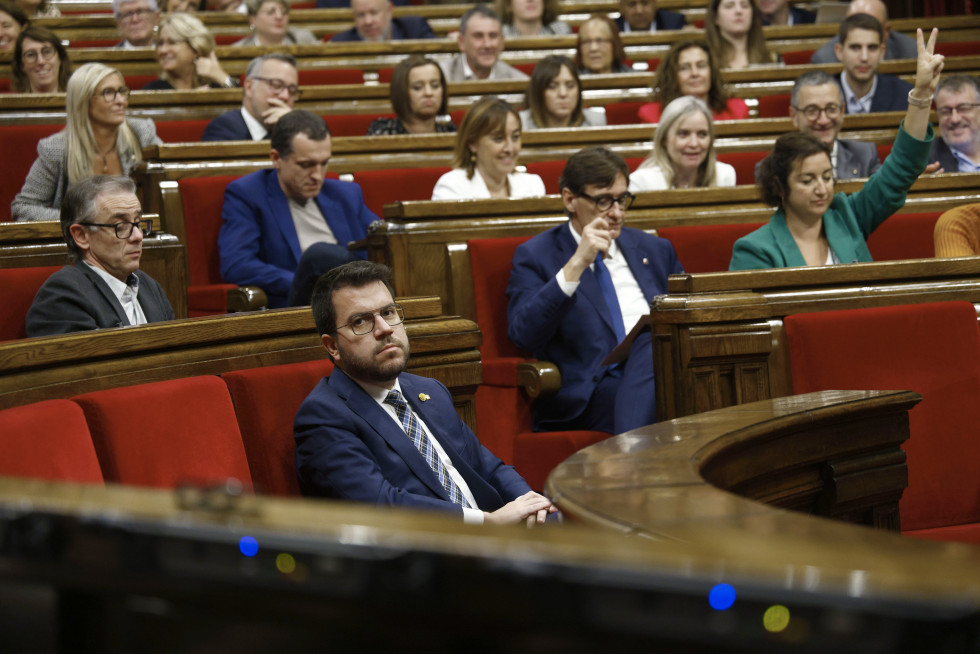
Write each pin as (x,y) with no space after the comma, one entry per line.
(646,261)
(423,397)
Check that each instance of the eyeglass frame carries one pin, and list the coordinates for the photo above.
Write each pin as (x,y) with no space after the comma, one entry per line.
(946,112)
(134,13)
(624,205)
(33,56)
(839,111)
(374,315)
(123,90)
(294,90)
(132,226)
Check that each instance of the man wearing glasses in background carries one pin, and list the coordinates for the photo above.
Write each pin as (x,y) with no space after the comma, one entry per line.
(137,22)
(958,108)
(102,222)
(270,91)
(577,289)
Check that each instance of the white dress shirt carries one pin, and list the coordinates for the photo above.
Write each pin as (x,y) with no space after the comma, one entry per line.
(126,292)
(256,129)
(856,105)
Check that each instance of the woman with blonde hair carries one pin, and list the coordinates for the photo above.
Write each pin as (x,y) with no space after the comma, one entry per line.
(41,63)
(487,147)
(530,18)
(269,22)
(185,50)
(683,153)
(554,97)
(733,29)
(98,139)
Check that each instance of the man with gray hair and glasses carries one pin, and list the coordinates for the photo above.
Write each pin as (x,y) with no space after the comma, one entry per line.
(137,22)
(103,226)
(269,93)
(958,108)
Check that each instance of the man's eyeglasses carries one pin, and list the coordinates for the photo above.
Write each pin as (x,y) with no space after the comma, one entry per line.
(31,56)
(278,85)
(135,13)
(124,229)
(363,323)
(812,111)
(605,202)
(961,109)
(109,94)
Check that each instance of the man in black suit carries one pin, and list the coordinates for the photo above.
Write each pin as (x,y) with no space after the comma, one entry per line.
(861,49)
(780,12)
(269,93)
(103,226)
(643,16)
(373,21)
(958,108)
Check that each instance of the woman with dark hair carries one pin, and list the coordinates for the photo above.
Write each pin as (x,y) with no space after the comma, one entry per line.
(554,97)
(733,29)
(814,227)
(487,146)
(690,69)
(530,18)
(41,63)
(420,99)
(600,49)
(12,21)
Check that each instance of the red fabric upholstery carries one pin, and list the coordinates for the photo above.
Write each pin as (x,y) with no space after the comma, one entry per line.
(351,124)
(623,113)
(48,440)
(549,172)
(958,48)
(321,76)
(884,151)
(18,286)
(384,75)
(490,261)
(705,248)
(797,58)
(266,401)
(137,82)
(457,116)
(744,164)
(904,236)
(181,131)
(383,187)
(774,106)
(525,68)
(94,43)
(932,349)
(22,140)
(4,84)
(633,162)
(164,433)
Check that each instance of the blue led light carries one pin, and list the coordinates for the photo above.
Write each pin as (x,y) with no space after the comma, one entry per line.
(721,597)
(248,546)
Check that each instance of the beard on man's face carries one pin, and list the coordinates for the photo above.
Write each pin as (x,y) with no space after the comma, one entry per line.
(370,369)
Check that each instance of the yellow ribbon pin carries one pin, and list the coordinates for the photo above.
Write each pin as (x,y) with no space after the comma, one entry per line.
(423,397)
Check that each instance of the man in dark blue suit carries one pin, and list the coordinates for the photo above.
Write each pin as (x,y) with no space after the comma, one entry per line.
(861,49)
(373,21)
(374,433)
(272,235)
(643,16)
(577,289)
(271,89)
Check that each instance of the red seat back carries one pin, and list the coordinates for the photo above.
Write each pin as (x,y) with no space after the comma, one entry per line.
(22,140)
(327,76)
(932,349)
(774,106)
(48,440)
(266,401)
(958,48)
(549,172)
(166,433)
(904,236)
(705,248)
(203,198)
(623,113)
(744,164)
(18,286)
(797,57)
(351,124)
(181,131)
(381,187)
(137,82)
(490,261)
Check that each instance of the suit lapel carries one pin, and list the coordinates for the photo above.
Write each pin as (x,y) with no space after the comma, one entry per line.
(845,163)
(588,285)
(105,293)
(639,266)
(281,215)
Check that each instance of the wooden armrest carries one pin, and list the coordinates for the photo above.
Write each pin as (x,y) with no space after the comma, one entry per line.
(538,378)
(246,298)
(357,246)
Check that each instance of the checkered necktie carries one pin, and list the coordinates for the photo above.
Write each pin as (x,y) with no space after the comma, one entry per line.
(414,430)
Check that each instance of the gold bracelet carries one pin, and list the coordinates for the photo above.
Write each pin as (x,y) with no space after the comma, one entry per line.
(919,102)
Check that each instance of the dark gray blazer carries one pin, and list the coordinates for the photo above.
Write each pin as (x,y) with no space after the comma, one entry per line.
(856,159)
(940,152)
(76,299)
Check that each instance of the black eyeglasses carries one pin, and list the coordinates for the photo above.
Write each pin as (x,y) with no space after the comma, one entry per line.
(812,111)
(363,323)
(278,85)
(31,56)
(605,202)
(109,94)
(124,229)
(961,109)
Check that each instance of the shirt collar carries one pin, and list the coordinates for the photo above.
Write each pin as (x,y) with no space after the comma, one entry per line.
(379,393)
(468,72)
(864,104)
(116,285)
(256,129)
(966,165)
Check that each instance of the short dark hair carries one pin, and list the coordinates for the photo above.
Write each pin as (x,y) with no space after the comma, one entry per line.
(20,83)
(860,22)
(594,165)
(477,10)
(812,78)
(773,174)
(298,121)
(80,204)
(355,274)
(954,83)
(398,88)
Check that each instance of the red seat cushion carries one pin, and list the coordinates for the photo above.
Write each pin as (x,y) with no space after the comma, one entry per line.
(744,164)
(705,248)
(48,440)
(381,187)
(797,57)
(181,131)
(18,286)
(932,349)
(537,454)
(550,172)
(623,113)
(22,140)
(266,401)
(165,433)
(774,106)
(904,236)
(351,124)
(490,260)
(326,76)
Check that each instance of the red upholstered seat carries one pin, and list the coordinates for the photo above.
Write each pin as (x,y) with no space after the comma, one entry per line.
(48,440)
(774,106)
(326,76)
(266,401)
(18,286)
(623,113)
(165,433)
(20,140)
(904,236)
(381,187)
(797,57)
(705,248)
(351,124)
(137,82)
(549,172)
(503,410)
(181,131)
(932,349)
(744,164)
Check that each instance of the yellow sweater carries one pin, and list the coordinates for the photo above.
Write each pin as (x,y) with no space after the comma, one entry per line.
(957,232)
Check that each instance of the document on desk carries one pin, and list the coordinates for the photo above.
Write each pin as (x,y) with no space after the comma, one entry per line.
(621,351)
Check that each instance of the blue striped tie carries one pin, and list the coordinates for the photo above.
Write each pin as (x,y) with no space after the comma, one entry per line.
(414,430)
